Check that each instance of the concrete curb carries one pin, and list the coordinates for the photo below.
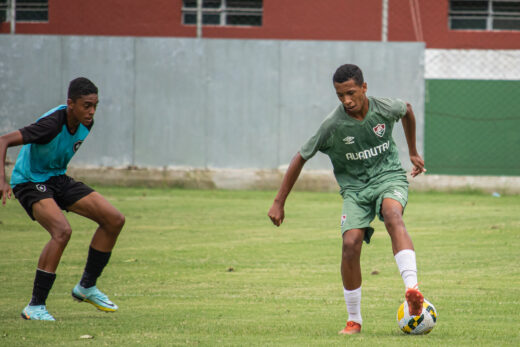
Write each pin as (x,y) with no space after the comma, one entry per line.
(251,179)
(254,179)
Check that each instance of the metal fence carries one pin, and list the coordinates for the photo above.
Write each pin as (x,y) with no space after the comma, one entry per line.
(472,112)
(472,96)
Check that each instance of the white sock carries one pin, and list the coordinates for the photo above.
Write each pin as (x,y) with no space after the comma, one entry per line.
(407,266)
(353,301)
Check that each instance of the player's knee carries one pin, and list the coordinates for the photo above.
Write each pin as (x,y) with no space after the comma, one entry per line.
(62,234)
(117,221)
(392,217)
(351,248)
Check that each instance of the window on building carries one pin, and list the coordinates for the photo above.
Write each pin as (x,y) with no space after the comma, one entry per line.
(484,15)
(224,12)
(3,10)
(26,10)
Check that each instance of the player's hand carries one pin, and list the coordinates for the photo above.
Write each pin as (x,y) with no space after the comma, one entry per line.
(418,165)
(5,191)
(276,213)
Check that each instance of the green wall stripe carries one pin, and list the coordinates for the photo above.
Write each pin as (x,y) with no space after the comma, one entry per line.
(472,127)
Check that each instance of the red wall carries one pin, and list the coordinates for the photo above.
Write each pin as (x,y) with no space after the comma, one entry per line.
(282,19)
(111,17)
(436,32)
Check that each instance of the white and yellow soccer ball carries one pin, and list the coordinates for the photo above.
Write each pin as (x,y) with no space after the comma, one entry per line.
(417,325)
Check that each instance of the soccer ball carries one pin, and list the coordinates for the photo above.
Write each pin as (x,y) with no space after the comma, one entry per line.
(417,325)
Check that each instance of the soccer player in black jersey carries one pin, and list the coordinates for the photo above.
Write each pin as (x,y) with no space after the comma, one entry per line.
(40,184)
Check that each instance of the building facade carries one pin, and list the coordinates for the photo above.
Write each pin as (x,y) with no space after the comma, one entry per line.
(472,56)
(447,24)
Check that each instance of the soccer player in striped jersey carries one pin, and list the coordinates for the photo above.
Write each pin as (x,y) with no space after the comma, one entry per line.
(357,137)
(41,185)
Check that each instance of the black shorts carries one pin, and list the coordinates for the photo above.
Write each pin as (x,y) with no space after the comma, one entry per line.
(63,189)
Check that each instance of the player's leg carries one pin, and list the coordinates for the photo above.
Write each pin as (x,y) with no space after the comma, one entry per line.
(351,276)
(402,246)
(355,221)
(49,215)
(350,258)
(392,212)
(110,222)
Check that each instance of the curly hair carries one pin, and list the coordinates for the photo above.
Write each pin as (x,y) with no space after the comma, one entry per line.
(347,72)
(81,86)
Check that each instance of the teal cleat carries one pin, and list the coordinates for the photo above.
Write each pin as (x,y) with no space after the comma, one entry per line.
(95,297)
(38,312)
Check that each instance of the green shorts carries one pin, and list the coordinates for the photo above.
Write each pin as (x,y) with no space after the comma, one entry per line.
(360,208)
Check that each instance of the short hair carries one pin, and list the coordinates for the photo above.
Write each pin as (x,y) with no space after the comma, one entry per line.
(81,86)
(347,72)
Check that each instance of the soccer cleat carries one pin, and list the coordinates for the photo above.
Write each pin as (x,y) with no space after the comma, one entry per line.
(38,312)
(95,297)
(415,300)
(351,328)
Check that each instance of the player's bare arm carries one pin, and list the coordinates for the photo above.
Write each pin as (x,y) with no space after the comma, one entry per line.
(409,132)
(276,212)
(8,140)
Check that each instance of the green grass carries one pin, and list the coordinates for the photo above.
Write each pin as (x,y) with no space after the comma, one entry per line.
(206,268)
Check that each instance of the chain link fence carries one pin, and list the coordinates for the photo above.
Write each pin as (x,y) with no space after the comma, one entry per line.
(472,91)
(472,112)
(472,96)
(471,61)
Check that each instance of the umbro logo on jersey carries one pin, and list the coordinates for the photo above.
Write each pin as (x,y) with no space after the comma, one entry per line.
(379,130)
(77,145)
(41,187)
(349,140)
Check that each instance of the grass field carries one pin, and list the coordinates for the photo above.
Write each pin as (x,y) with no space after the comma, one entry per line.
(206,268)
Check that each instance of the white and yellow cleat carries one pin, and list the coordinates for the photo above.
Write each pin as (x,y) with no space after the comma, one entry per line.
(95,297)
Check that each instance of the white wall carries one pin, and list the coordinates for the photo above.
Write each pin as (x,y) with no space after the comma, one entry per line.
(200,103)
